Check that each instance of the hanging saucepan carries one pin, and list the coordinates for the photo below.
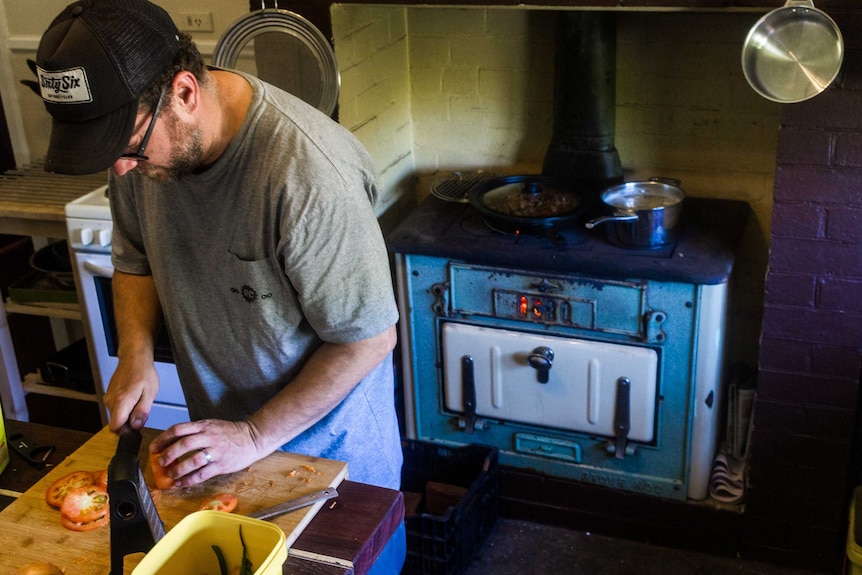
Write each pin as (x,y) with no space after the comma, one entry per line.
(532,204)
(792,53)
(644,215)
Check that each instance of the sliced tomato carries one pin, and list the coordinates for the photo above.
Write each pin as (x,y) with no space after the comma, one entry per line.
(85,525)
(100,478)
(57,491)
(226,502)
(163,481)
(85,504)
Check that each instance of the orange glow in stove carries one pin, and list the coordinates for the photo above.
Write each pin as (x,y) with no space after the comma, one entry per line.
(537,309)
(526,310)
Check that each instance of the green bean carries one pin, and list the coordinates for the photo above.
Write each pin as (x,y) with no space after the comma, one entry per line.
(245,569)
(222,564)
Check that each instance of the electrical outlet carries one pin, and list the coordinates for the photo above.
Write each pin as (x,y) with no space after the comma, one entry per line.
(199,22)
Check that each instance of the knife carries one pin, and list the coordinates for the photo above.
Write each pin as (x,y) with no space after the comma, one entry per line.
(294,504)
(135,522)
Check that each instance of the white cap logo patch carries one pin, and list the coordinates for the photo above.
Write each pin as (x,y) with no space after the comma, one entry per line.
(65,87)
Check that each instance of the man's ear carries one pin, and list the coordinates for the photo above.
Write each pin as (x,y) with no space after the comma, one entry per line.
(186,93)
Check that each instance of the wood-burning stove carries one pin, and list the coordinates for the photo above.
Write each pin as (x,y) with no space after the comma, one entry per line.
(594,363)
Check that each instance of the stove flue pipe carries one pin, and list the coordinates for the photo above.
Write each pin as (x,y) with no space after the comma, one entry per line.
(582,146)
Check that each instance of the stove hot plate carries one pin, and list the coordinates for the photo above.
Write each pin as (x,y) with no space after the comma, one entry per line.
(471,226)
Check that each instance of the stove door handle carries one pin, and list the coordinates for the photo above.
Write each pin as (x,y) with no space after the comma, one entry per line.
(468,393)
(97,270)
(541,359)
(622,416)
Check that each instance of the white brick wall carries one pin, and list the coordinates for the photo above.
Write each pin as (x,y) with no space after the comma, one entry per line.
(481,87)
(371,49)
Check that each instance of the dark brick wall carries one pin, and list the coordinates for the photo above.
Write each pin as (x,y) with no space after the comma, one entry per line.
(803,454)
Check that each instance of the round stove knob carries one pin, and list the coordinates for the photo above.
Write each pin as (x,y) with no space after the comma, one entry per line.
(104,237)
(86,236)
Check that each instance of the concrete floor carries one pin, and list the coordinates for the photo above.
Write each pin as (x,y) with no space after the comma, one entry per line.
(517,548)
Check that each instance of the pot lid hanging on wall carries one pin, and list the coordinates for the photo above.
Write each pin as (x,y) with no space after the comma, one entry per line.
(286,50)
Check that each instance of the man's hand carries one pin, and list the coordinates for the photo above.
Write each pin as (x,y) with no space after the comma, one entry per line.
(131,393)
(196,451)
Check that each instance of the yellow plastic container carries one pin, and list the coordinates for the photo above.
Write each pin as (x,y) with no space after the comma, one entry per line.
(4,449)
(187,548)
(854,548)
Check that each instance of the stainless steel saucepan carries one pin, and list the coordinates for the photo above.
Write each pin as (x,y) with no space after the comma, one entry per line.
(644,215)
(793,53)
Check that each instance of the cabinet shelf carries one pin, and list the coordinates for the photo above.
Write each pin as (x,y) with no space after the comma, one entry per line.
(46,309)
(34,384)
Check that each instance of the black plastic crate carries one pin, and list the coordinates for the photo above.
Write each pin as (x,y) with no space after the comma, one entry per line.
(444,544)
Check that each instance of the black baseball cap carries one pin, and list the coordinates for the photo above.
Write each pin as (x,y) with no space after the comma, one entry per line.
(93,63)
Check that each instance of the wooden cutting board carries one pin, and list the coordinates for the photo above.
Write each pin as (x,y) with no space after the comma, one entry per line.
(30,529)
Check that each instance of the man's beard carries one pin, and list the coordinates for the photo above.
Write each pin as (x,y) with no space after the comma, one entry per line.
(185,155)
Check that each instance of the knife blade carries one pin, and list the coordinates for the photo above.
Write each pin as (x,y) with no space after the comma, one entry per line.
(294,504)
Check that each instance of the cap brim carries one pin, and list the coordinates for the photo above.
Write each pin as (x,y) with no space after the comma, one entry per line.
(78,148)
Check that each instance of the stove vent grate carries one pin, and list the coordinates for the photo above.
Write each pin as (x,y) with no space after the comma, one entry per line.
(456,186)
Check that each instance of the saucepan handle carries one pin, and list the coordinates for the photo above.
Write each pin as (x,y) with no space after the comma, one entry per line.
(669,181)
(617,217)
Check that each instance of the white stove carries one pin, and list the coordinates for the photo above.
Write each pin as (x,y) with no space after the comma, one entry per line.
(90,227)
(88,220)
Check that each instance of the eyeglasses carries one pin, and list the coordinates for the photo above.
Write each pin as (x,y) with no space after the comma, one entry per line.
(139,155)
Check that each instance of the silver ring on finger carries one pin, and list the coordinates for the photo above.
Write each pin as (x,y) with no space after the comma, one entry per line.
(207,455)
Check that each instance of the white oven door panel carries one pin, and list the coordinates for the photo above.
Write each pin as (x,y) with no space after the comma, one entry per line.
(581,391)
(162,415)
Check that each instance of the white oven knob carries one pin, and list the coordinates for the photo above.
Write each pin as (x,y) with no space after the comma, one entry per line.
(86,236)
(104,237)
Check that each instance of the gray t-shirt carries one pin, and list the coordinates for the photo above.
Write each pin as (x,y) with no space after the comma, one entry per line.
(271,251)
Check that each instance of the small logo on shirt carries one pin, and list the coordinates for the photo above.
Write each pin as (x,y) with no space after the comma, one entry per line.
(249,294)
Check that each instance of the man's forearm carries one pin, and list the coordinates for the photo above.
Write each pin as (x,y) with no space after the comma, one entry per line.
(325,380)
(137,312)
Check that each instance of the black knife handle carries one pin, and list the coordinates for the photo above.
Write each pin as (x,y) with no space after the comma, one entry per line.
(130,440)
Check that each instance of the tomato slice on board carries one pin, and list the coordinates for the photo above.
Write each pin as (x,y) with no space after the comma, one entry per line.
(100,478)
(226,502)
(85,504)
(86,526)
(57,491)
(159,473)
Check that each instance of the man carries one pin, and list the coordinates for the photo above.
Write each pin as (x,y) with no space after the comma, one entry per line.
(243,220)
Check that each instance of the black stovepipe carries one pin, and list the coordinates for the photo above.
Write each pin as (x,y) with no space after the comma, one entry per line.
(582,146)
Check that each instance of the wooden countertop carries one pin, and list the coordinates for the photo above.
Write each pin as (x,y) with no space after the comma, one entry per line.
(344,538)
(32,201)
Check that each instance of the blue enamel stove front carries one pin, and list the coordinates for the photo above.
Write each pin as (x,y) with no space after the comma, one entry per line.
(664,457)
(609,378)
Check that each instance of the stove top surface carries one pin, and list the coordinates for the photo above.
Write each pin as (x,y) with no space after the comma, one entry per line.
(703,253)
(93,205)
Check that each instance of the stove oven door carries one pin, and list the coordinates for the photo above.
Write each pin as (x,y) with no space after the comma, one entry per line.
(571,384)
